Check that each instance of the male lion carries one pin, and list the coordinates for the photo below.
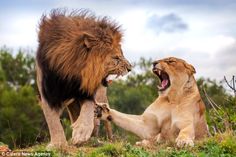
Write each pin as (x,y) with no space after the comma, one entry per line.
(178,112)
(77,53)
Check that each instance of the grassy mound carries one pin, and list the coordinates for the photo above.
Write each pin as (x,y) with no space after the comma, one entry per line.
(220,145)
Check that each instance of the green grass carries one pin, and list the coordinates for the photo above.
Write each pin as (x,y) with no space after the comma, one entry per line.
(220,145)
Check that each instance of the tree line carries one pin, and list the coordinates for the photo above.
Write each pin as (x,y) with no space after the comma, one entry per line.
(22,122)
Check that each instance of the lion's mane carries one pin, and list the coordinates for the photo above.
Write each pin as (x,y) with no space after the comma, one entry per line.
(71,53)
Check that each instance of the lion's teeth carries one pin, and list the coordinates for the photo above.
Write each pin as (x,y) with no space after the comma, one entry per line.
(111,77)
(159,72)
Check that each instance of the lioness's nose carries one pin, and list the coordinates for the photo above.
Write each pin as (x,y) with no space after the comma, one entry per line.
(154,63)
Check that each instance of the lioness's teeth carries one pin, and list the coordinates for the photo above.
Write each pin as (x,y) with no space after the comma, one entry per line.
(159,72)
(159,87)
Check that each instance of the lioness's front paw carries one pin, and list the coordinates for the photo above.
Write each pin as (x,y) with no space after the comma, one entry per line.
(81,133)
(102,111)
(184,141)
(159,138)
(103,106)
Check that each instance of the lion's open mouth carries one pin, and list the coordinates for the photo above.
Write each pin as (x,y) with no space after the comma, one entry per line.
(111,77)
(164,79)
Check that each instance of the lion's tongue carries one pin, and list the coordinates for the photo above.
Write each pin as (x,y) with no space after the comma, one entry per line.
(164,83)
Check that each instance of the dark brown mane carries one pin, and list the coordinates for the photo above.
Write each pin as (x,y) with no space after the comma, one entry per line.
(73,46)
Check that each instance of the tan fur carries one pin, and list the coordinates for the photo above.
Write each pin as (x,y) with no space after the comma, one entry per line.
(178,112)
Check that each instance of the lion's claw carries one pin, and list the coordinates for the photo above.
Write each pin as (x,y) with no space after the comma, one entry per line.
(81,133)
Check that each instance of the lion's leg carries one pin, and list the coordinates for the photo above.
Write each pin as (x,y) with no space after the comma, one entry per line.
(101,96)
(108,128)
(73,111)
(96,127)
(52,117)
(83,126)
(56,130)
(107,125)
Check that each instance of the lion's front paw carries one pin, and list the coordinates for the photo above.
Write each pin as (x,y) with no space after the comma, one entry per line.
(184,141)
(57,145)
(81,133)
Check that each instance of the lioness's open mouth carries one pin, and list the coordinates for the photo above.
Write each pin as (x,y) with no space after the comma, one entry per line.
(164,79)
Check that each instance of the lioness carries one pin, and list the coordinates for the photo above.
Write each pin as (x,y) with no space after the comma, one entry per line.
(178,112)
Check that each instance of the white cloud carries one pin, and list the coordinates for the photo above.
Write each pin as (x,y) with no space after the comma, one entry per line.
(205,44)
(20,31)
(209,44)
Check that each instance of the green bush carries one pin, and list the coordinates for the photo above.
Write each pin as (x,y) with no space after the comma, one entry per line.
(20,117)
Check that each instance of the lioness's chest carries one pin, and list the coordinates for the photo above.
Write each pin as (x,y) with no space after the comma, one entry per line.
(161,111)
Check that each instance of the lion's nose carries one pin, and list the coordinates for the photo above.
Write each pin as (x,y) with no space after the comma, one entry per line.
(129,69)
(128,66)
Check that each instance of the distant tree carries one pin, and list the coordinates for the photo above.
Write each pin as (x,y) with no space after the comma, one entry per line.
(135,93)
(21,119)
(19,70)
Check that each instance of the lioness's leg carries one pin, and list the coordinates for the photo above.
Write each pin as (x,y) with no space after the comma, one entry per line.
(184,121)
(142,125)
(83,126)
(52,117)
(186,135)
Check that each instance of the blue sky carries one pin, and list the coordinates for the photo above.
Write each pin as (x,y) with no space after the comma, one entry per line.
(202,31)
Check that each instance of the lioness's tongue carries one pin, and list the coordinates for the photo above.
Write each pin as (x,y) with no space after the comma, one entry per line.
(164,83)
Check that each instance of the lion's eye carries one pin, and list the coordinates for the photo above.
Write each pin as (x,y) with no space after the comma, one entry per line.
(170,61)
(116,60)
(116,57)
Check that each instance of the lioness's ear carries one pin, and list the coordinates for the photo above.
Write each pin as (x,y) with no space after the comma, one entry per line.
(88,39)
(190,68)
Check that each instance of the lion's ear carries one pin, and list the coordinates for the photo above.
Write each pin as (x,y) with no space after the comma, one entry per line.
(190,68)
(88,39)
